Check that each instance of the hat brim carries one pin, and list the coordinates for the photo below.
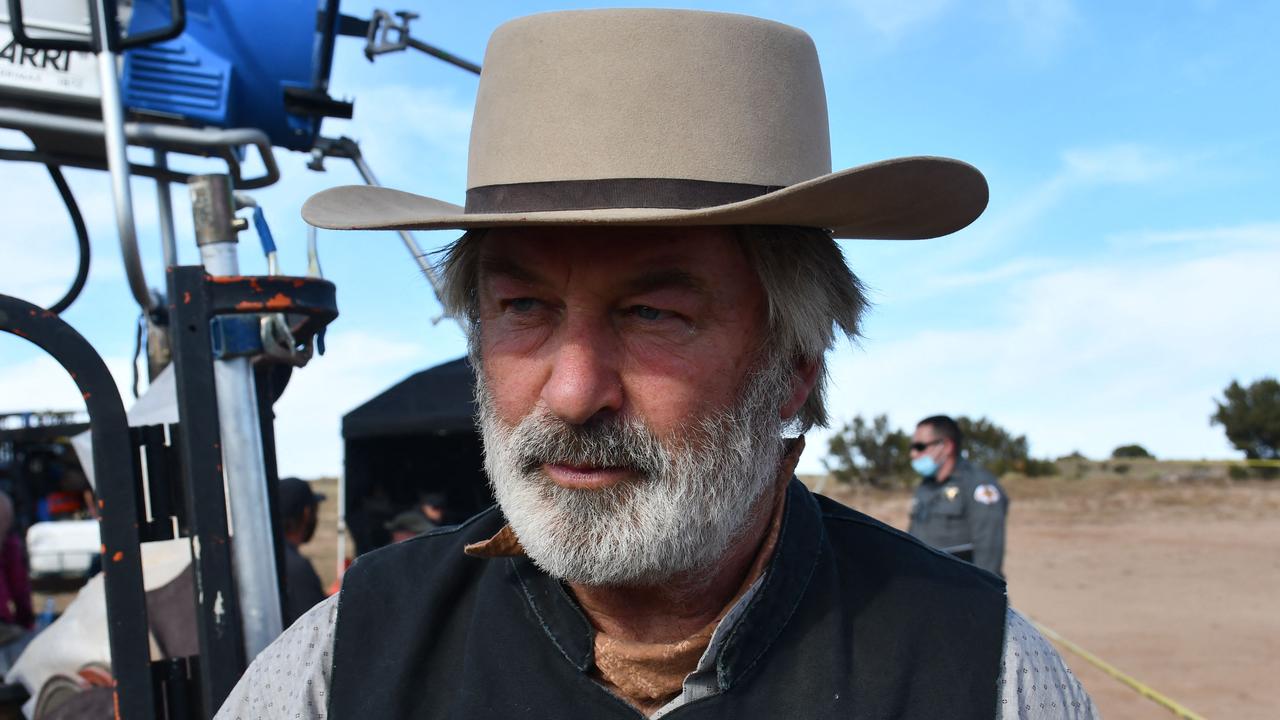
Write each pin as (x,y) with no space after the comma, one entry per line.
(909,198)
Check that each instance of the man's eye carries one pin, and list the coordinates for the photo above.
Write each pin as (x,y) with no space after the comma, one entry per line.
(522,305)
(644,312)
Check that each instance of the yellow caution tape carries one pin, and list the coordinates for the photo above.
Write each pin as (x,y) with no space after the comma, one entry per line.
(1143,689)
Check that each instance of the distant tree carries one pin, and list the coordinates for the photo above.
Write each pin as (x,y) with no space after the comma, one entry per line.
(1251,418)
(1132,451)
(998,450)
(869,453)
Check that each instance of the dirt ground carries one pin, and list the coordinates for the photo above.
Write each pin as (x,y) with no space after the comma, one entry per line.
(1173,583)
(1173,579)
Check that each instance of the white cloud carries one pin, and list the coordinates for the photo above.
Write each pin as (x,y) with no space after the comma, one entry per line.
(893,18)
(1038,26)
(42,384)
(357,366)
(1042,23)
(39,243)
(970,257)
(430,125)
(1213,238)
(1087,358)
(1123,163)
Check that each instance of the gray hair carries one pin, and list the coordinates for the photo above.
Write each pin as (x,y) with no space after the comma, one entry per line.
(811,295)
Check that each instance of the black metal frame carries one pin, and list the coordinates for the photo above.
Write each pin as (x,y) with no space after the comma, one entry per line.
(171,688)
(118,487)
(195,298)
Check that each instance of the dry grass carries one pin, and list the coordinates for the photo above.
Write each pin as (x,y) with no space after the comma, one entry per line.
(1099,494)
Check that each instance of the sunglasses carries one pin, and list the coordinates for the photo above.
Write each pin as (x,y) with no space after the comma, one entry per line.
(921,447)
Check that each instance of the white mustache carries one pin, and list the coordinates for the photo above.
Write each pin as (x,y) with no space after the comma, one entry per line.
(543,439)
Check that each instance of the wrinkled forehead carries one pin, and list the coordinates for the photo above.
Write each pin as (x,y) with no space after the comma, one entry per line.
(704,259)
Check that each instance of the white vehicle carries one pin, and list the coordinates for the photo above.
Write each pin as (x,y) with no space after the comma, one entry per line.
(63,548)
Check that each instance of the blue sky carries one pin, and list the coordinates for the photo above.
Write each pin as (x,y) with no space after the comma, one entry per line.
(1125,271)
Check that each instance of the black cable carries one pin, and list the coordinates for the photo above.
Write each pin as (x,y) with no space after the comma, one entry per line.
(137,348)
(82,234)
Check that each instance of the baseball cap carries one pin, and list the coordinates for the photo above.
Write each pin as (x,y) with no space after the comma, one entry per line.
(296,495)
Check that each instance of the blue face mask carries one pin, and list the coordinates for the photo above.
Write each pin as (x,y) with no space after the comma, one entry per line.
(925,465)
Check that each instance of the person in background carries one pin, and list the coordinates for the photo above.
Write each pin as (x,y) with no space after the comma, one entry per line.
(409,524)
(16,613)
(429,515)
(299,512)
(958,507)
(15,584)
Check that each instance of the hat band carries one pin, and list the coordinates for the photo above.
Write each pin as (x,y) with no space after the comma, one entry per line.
(609,193)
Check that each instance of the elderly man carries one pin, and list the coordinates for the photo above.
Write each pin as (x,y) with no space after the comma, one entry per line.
(958,506)
(651,284)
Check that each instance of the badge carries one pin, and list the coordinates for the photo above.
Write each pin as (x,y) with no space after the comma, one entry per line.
(987,494)
(951,492)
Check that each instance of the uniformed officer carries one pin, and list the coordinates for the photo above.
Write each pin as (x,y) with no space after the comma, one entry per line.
(958,507)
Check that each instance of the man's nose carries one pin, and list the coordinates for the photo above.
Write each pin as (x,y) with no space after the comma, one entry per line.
(585,378)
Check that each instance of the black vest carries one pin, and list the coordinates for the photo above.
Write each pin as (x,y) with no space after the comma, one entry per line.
(854,620)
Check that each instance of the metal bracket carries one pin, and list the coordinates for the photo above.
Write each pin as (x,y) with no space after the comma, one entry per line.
(386,35)
(234,337)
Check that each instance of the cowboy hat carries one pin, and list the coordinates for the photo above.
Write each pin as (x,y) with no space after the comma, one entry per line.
(663,118)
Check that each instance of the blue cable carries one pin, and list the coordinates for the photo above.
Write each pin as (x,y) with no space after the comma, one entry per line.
(264,232)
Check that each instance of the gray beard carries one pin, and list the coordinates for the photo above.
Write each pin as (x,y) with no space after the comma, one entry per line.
(693,497)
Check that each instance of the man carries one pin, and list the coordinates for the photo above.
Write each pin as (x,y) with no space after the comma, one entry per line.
(408,525)
(650,295)
(958,507)
(427,516)
(299,513)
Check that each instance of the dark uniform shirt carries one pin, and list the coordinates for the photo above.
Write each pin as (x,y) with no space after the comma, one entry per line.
(302,585)
(963,515)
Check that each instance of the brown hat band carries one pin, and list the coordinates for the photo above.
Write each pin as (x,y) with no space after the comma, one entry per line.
(609,193)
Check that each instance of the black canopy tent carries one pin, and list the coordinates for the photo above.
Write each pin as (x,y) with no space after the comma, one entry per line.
(417,437)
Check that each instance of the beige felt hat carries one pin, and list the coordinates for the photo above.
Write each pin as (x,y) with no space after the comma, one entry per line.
(665,118)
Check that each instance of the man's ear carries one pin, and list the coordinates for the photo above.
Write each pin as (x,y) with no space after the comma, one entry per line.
(802,382)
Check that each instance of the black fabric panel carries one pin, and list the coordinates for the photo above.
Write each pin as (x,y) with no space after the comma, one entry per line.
(434,401)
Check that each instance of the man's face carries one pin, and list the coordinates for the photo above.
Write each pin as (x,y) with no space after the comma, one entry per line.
(625,422)
(636,322)
(926,441)
(310,519)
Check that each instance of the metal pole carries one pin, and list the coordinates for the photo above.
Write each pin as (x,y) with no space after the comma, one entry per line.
(165,204)
(439,54)
(242,452)
(117,154)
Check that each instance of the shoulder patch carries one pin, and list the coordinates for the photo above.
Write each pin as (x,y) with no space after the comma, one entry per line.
(987,494)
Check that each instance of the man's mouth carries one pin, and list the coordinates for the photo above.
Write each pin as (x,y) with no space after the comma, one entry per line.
(586,477)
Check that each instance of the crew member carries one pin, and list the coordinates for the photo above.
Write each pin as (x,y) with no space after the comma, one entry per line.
(958,507)
(299,513)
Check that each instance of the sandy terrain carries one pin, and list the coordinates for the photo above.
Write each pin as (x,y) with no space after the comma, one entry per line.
(1174,583)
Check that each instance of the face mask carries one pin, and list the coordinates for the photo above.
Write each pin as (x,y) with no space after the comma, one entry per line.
(925,465)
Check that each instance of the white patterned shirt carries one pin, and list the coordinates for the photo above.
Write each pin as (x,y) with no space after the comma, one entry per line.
(290,678)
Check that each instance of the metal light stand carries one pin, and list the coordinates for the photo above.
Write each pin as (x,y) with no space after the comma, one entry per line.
(243,458)
(197,298)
